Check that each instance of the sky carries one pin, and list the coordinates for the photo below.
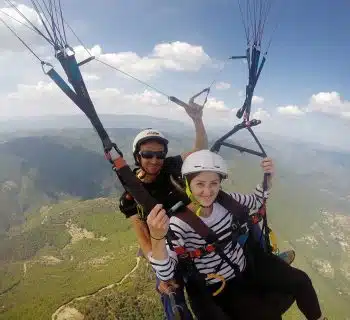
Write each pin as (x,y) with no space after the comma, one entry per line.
(181,47)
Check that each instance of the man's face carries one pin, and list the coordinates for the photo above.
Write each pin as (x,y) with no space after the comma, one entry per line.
(151,157)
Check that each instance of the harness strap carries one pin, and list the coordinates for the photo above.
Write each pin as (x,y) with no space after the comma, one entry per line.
(207,234)
(240,219)
(197,253)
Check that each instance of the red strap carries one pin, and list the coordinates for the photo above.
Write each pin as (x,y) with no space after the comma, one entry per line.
(255,218)
(180,250)
(197,253)
(262,210)
(210,248)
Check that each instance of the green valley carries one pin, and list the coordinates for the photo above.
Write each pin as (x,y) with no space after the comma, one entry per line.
(70,253)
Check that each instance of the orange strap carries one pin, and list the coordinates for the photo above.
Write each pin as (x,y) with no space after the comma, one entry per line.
(119,163)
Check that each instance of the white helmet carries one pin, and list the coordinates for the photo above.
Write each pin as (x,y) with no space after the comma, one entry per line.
(148,134)
(204,160)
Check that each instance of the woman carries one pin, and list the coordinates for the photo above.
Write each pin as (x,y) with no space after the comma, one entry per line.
(245,292)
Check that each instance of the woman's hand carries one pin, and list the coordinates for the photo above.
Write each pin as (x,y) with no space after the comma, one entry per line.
(268,167)
(158,222)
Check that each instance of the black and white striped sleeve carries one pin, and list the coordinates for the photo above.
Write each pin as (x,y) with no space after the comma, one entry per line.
(253,200)
(165,269)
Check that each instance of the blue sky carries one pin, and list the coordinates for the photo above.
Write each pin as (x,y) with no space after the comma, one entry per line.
(309,48)
(308,56)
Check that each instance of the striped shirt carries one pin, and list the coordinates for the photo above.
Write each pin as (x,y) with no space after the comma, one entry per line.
(220,221)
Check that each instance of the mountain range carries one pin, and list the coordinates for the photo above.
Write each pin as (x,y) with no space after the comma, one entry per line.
(59,220)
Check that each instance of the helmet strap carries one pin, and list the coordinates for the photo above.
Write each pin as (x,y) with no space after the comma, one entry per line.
(194,200)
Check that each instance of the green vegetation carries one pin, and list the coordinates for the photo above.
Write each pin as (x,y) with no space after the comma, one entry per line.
(60,246)
(10,276)
(35,171)
(134,299)
(60,271)
(27,244)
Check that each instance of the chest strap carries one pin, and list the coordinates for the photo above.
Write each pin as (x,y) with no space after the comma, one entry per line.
(182,253)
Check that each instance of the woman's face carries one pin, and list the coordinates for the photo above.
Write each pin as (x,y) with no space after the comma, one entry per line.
(205,187)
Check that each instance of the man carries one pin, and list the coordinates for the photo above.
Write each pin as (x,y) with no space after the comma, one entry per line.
(154,169)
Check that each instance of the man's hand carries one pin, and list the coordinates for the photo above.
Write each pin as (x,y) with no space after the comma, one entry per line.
(193,109)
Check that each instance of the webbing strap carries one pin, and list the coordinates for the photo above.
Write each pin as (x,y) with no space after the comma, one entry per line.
(197,253)
(206,233)
(197,224)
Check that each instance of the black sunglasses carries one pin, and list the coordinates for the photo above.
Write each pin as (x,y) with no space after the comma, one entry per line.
(151,154)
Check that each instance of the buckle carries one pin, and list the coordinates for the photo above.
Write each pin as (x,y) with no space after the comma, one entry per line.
(198,252)
(244,229)
(235,226)
(111,150)
(255,218)
(183,256)
(210,248)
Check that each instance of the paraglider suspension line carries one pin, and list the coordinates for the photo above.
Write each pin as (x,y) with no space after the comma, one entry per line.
(19,38)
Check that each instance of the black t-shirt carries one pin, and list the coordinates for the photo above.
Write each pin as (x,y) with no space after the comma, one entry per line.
(161,189)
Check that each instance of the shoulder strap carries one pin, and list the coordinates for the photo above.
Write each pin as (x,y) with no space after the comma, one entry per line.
(224,199)
(197,225)
(249,222)
(206,233)
(240,211)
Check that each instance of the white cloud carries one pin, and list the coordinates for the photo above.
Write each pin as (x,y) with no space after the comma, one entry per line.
(261,114)
(290,110)
(324,98)
(147,97)
(47,98)
(218,105)
(180,56)
(14,18)
(33,96)
(131,63)
(330,103)
(90,76)
(175,56)
(33,92)
(257,100)
(31,100)
(222,86)
(18,24)
(322,102)
(109,93)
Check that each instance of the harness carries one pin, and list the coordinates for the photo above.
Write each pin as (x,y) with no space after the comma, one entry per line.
(169,196)
(242,223)
(240,226)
